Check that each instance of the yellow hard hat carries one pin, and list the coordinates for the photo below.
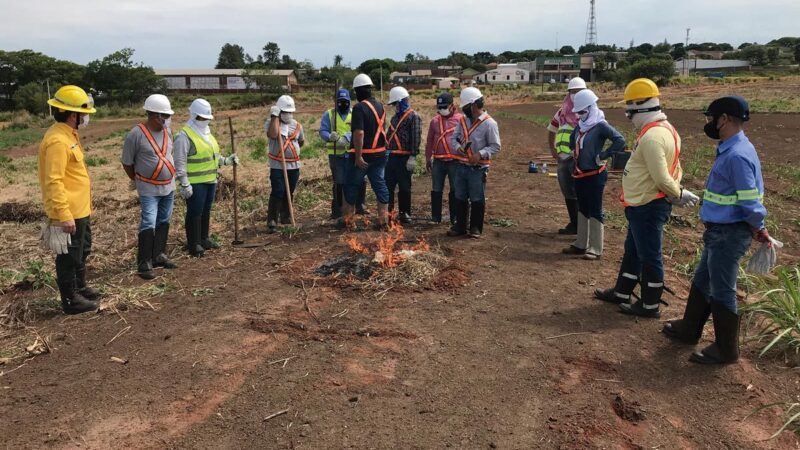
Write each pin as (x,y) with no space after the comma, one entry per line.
(640,89)
(72,98)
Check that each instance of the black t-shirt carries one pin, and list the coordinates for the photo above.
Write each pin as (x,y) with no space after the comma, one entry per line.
(364,119)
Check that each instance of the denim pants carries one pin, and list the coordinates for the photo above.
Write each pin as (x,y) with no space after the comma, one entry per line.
(397,175)
(645,238)
(337,166)
(565,180)
(156,210)
(199,204)
(471,183)
(441,169)
(590,195)
(78,250)
(354,176)
(725,245)
(278,185)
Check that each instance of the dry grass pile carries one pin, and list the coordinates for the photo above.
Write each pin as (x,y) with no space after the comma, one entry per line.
(19,212)
(15,312)
(417,270)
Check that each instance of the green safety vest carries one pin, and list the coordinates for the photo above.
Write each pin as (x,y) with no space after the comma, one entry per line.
(342,128)
(562,139)
(202,166)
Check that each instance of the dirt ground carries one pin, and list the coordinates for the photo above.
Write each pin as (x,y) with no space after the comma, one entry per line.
(518,355)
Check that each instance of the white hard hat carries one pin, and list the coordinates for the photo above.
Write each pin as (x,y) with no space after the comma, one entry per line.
(397,93)
(158,103)
(285,103)
(362,79)
(469,95)
(576,83)
(583,100)
(200,108)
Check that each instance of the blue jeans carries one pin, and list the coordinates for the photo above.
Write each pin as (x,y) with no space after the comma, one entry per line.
(199,204)
(471,183)
(725,245)
(590,195)
(354,176)
(337,165)
(644,242)
(156,210)
(278,185)
(441,169)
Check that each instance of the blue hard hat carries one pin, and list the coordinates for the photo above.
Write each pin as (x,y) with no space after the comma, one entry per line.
(732,105)
(444,100)
(343,94)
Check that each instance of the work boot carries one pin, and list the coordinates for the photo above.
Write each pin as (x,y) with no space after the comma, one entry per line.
(348,220)
(336,201)
(383,217)
(160,258)
(689,329)
(451,201)
(205,225)
(193,245)
(476,219)
(622,291)
(652,288)
(73,302)
(272,213)
(144,259)
(285,215)
(596,236)
(459,227)
(581,240)
(436,207)
(404,203)
(361,208)
(725,348)
(572,226)
(87,292)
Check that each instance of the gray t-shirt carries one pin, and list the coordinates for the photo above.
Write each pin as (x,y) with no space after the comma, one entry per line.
(137,152)
(274,146)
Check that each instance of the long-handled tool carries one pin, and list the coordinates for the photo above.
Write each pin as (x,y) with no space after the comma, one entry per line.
(237,242)
(285,175)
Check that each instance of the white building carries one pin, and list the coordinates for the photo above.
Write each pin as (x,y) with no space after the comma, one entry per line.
(213,80)
(504,74)
(688,66)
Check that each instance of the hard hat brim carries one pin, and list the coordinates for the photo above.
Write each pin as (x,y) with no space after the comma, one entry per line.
(206,116)
(169,111)
(57,104)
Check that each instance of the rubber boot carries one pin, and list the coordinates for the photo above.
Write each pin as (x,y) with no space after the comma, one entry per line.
(205,225)
(272,213)
(689,329)
(436,207)
(87,292)
(160,258)
(476,219)
(361,208)
(348,220)
(73,302)
(383,217)
(144,260)
(336,202)
(648,305)
(725,349)
(193,237)
(596,236)
(572,210)
(582,240)
(622,291)
(404,204)
(459,227)
(451,201)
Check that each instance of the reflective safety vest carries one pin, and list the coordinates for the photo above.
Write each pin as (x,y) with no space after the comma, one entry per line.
(341,127)
(673,171)
(202,166)
(444,142)
(562,139)
(578,173)
(161,154)
(398,148)
(467,131)
(380,131)
(288,145)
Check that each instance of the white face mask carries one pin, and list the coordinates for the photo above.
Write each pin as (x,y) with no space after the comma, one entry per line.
(168,123)
(287,117)
(583,115)
(84,121)
(572,97)
(444,112)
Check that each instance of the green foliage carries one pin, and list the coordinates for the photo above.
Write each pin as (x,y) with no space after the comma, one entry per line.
(258,148)
(94,161)
(116,77)
(659,70)
(14,137)
(231,56)
(537,119)
(19,68)
(776,316)
(6,165)
(35,275)
(31,97)
(567,50)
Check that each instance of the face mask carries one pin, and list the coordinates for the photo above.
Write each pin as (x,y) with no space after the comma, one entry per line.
(444,112)
(711,129)
(583,115)
(168,123)
(572,97)
(202,125)
(343,107)
(286,117)
(467,110)
(84,121)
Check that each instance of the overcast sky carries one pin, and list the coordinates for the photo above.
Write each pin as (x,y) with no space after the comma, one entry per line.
(189,33)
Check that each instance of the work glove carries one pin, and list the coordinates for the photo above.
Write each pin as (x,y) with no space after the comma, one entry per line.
(186,191)
(411,164)
(343,142)
(229,160)
(687,199)
(761,235)
(333,137)
(55,239)
(132,185)
(274,111)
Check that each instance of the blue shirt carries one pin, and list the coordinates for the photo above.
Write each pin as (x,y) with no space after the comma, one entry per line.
(325,126)
(592,151)
(735,188)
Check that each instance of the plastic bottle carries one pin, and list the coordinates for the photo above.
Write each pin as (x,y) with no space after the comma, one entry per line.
(532,168)
(544,168)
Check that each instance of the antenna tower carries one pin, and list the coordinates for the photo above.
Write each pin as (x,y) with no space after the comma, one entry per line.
(591,27)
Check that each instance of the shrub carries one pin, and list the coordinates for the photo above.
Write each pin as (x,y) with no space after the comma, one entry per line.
(31,97)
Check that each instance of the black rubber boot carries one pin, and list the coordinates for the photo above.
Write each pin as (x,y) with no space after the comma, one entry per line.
(626,283)
(205,226)
(436,207)
(193,237)
(73,302)
(725,349)
(404,207)
(652,288)
(160,258)
(361,208)
(286,217)
(451,201)
(87,292)
(476,219)
(572,226)
(689,329)
(144,260)
(459,228)
(336,201)
(272,213)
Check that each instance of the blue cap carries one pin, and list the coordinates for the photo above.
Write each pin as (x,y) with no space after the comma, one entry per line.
(343,94)
(732,105)
(444,100)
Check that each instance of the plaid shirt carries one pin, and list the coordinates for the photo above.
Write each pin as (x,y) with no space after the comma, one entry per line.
(409,133)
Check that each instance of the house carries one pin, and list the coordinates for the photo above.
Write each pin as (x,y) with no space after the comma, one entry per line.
(706,54)
(446,82)
(220,80)
(559,69)
(687,66)
(504,74)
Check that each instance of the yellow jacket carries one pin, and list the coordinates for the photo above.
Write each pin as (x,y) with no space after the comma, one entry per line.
(63,177)
(647,174)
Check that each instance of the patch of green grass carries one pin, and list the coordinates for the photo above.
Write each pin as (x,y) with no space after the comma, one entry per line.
(537,119)
(698,163)
(14,137)
(258,148)
(33,274)
(501,222)
(201,292)
(161,288)
(313,149)
(288,231)
(6,165)
(776,316)
(94,161)
(688,269)
(253,203)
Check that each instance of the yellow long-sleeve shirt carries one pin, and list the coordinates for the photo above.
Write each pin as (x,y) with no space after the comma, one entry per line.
(648,171)
(63,177)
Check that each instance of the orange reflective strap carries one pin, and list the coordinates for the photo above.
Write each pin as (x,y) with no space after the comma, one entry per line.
(467,132)
(675,161)
(378,133)
(288,143)
(578,173)
(443,140)
(393,133)
(161,154)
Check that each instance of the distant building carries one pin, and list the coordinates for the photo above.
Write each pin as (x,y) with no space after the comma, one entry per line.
(559,69)
(219,80)
(722,66)
(706,54)
(504,74)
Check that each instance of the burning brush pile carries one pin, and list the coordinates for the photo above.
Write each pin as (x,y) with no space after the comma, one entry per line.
(386,261)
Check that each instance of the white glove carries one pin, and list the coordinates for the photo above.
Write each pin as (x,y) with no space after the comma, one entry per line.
(54,238)
(411,164)
(132,185)
(186,191)
(687,199)
(228,160)
(343,142)
(334,136)
(274,111)
(598,161)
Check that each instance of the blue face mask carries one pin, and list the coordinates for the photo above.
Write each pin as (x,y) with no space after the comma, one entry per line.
(402,106)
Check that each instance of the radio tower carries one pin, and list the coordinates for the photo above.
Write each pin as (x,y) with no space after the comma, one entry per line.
(591,27)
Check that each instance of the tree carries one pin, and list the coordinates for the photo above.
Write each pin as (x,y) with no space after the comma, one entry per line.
(797,53)
(337,60)
(567,50)
(645,49)
(21,67)
(117,77)
(659,70)
(31,97)
(773,54)
(483,57)
(272,54)
(756,54)
(678,51)
(663,47)
(231,56)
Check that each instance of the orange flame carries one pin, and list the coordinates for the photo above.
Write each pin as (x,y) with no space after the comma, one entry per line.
(386,249)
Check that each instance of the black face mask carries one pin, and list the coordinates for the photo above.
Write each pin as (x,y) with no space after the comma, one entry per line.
(711,129)
(467,110)
(343,107)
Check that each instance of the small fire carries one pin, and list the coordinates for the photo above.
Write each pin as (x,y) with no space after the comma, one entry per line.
(388,251)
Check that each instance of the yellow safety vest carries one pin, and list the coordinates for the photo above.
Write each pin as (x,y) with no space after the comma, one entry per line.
(202,166)
(342,128)
(562,139)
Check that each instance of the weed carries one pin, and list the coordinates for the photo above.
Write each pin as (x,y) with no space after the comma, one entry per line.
(252,203)
(201,292)
(93,161)
(15,137)
(161,288)
(777,314)
(688,269)
(34,275)
(288,231)
(501,222)
(537,119)
(306,199)
(6,165)
(792,414)
(258,148)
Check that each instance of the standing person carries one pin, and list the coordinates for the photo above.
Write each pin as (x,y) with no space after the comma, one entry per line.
(650,186)
(67,198)
(283,130)
(559,131)
(367,155)
(477,139)
(334,129)
(404,138)
(197,158)
(440,159)
(734,214)
(148,161)
(588,140)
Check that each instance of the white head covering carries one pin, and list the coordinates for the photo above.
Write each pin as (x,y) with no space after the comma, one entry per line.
(594,117)
(641,119)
